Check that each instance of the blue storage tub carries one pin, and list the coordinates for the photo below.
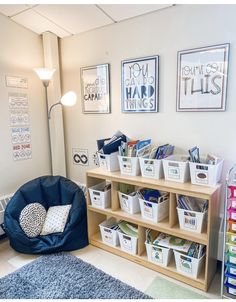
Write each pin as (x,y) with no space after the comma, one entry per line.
(230,289)
(230,279)
(231,269)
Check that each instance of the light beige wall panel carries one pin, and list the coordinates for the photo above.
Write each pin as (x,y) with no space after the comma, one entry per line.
(21,51)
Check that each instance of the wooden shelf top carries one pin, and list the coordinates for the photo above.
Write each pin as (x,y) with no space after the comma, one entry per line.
(162,226)
(161,184)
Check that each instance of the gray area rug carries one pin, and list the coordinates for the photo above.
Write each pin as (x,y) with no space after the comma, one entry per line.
(64,276)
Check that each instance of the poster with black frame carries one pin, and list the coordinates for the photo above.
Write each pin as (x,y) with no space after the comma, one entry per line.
(202,78)
(140,84)
(95,89)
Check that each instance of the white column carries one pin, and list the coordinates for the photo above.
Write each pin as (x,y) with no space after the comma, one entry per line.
(51,60)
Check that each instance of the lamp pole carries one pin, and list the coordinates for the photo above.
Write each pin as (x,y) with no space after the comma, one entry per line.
(45,84)
(68,99)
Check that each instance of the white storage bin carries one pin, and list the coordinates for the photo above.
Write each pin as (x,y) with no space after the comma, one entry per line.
(155,211)
(187,265)
(99,198)
(128,244)
(151,168)
(204,174)
(109,162)
(129,165)
(190,220)
(109,236)
(176,168)
(158,254)
(129,204)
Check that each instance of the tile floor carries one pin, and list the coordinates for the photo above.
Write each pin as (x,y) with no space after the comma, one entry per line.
(127,271)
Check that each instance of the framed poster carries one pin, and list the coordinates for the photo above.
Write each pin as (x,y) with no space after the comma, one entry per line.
(140,84)
(202,78)
(95,89)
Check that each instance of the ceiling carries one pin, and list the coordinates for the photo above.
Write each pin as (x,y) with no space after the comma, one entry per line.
(65,20)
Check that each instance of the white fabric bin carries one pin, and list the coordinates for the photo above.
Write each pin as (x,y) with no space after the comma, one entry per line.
(187,265)
(176,168)
(109,162)
(129,204)
(204,174)
(99,198)
(129,165)
(109,236)
(151,168)
(158,254)
(191,221)
(155,211)
(128,244)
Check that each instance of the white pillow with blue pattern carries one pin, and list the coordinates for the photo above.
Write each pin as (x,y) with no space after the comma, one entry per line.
(56,219)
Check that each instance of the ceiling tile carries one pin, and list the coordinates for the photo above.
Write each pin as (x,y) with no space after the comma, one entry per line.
(35,22)
(120,12)
(75,18)
(12,9)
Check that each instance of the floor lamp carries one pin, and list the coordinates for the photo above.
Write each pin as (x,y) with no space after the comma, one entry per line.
(68,99)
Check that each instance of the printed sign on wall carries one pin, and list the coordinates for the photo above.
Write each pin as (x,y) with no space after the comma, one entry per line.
(140,84)
(19,125)
(20,135)
(16,82)
(95,89)
(202,78)
(21,151)
(80,156)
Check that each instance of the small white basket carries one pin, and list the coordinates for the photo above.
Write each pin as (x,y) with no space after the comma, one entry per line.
(99,198)
(204,174)
(128,203)
(109,162)
(158,254)
(109,236)
(151,168)
(128,244)
(191,221)
(176,168)
(187,265)
(129,165)
(155,211)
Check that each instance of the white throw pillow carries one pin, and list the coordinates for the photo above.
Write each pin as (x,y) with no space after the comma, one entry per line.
(32,218)
(56,219)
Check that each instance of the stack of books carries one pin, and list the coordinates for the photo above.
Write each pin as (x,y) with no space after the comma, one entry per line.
(161,151)
(189,248)
(128,228)
(111,145)
(192,203)
(135,148)
(150,195)
(194,156)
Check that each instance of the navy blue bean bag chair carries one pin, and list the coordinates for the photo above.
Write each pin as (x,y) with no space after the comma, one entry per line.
(49,191)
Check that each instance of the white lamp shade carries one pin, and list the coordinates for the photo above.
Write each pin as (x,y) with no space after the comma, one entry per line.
(45,74)
(69,98)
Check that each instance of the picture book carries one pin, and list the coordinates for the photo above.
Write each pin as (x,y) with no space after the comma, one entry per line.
(173,242)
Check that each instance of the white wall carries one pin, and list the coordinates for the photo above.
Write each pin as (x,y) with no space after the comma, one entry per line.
(164,33)
(21,51)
